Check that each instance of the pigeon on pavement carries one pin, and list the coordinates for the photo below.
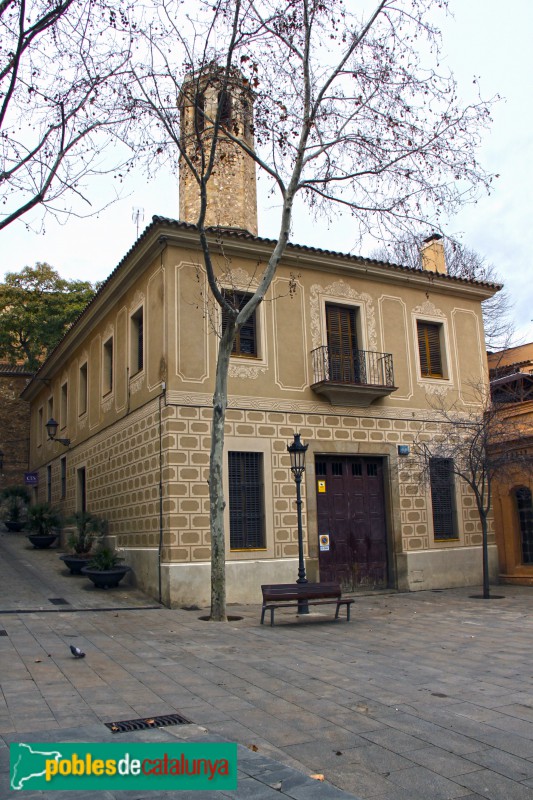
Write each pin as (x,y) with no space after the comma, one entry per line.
(76,652)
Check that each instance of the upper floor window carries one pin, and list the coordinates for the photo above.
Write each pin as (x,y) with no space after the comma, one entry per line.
(63,409)
(199,112)
(442,483)
(224,102)
(107,376)
(345,362)
(245,343)
(82,390)
(137,341)
(246,501)
(429,349)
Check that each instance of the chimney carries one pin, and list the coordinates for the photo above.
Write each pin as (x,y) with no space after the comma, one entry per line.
(432,254)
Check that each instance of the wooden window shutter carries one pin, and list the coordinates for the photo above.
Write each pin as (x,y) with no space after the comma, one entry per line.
(342,344)
(245,343)
(429,349)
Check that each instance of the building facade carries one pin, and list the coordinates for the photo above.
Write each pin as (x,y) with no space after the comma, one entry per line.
(14,425)
(346,351)
(511,373)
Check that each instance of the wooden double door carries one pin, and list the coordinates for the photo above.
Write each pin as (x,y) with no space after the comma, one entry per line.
(352,529)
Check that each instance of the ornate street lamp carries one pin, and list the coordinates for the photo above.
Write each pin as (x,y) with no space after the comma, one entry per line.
(297,452)
(51,428)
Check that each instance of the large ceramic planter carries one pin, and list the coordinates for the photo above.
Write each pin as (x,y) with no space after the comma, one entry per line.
(13,527)
(106,578)
(42,540)
(75,563)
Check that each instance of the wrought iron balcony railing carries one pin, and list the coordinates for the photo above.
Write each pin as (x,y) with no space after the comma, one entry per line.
(361,367)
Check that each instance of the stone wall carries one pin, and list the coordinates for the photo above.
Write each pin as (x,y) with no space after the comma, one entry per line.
(14,425)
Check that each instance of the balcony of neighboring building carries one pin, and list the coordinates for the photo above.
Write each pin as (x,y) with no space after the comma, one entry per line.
(352,377)
(516,387)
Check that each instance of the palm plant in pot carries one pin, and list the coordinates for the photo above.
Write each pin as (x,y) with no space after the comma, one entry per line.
(105,569)
(44,522)
(88,527)
(14,502)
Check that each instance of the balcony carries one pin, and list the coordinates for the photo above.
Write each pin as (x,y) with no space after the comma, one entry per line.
(352,377)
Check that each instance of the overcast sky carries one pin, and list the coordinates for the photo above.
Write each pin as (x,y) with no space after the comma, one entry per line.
(485,38)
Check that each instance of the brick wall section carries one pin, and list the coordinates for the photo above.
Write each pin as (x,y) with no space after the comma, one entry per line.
(123,477)
(14,425)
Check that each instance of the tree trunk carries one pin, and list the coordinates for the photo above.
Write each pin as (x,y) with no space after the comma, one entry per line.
(485,538)
(217,503)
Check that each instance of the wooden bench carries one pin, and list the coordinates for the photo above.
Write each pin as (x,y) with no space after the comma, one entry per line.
(295,595)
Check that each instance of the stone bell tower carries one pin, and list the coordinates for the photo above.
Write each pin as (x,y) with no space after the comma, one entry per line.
(232,189)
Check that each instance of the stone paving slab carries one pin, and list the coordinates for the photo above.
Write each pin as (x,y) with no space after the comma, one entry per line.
(421,696)
(260,777)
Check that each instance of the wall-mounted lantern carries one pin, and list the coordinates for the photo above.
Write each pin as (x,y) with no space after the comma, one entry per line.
(51,428)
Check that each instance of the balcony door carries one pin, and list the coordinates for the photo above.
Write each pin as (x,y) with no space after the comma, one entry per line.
(346,364)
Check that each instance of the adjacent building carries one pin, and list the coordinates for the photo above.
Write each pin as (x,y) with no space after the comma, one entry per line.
(511,374)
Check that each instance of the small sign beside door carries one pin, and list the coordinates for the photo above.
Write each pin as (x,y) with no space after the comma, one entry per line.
(321,487)
(324,541)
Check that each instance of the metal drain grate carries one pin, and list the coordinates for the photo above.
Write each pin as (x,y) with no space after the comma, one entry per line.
(149,722)
(58,601)
(3,633)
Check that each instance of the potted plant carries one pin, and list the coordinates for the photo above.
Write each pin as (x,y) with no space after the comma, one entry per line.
(104,569)
(88,528)
(14,507)
(44,522)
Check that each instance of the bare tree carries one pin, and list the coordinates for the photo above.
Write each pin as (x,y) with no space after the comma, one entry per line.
(349,111)
(480,446)
(462,262)
(58,112)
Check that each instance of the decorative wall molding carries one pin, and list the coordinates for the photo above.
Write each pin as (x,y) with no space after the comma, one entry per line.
(107,404)
(137,383)
(137,300)
(286,406)
(341,291)
(429,309)
(244,371)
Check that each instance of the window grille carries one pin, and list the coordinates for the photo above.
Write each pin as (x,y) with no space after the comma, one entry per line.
(246,501)
(443,498)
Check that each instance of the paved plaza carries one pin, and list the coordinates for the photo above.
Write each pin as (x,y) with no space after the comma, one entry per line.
(421,696)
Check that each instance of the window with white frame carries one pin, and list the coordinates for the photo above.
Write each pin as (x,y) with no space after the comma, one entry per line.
(107,366)
(137,341)
(83,388)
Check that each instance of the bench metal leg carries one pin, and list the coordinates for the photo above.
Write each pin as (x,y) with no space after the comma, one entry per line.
(263,615)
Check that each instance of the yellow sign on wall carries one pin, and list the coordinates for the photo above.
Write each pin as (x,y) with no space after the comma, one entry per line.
(321,487)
